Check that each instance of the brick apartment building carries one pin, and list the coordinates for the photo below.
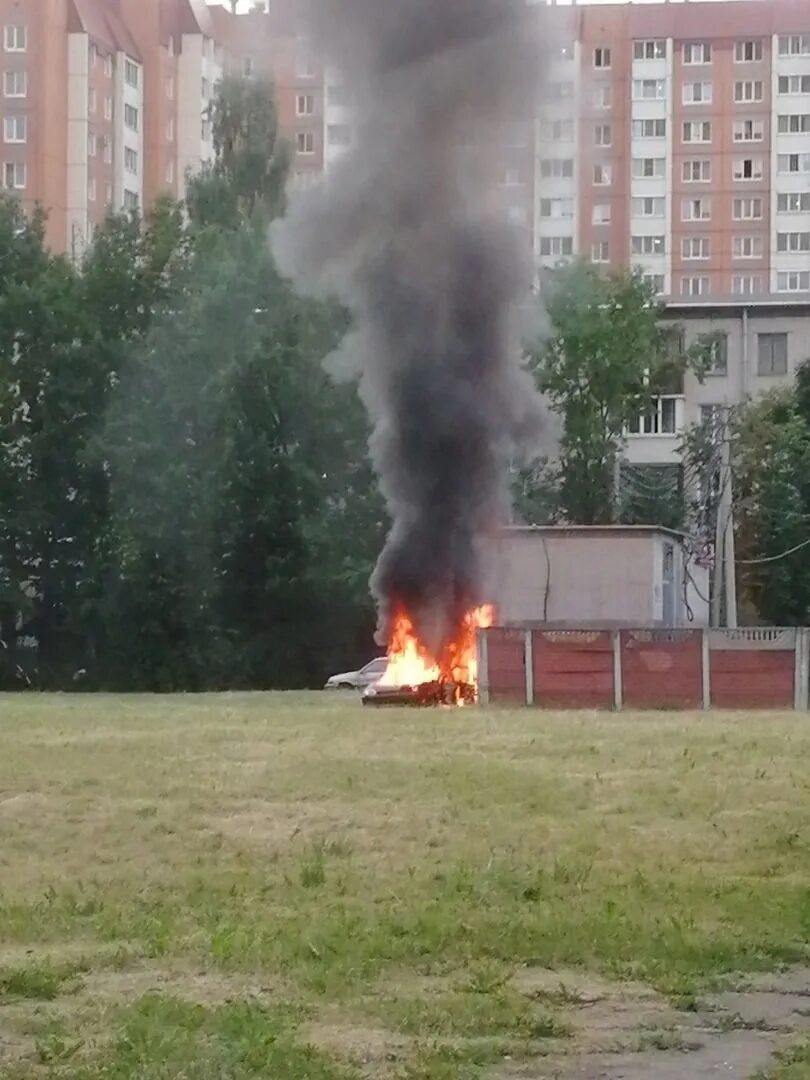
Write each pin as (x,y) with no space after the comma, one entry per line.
(670,136)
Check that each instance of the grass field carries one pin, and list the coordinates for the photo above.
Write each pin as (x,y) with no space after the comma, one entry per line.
(289,886)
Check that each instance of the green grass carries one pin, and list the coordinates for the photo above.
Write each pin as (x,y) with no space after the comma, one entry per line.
(229,865)
(794,1065)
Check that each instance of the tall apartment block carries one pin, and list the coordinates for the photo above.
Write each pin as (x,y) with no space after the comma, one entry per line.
(103,105)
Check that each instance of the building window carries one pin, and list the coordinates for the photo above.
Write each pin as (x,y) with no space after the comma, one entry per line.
(557,131)
(650,50)
(697,52)
(648,168)
(305,142)
(601,214)
(205,89)
(748,90)
(793,281)
(648,208)
(747,247)
(16,38)
(695,247)
(91,189)
(91,100)
(649,89)
(107,151)
(697,93)
(108,65)
(649,129)
(602,135)
(561,90)
(718,355)
(664,418)
(794,84)
(697,131)
(793,242)
(130,200)
(15,129)
(130,160)
(170,87)
(15,175)
(602,175)
(747,52)
(15,84)
(131,117)
(694,286)
(793,202)
(556,168)
(560,246)
(748,168)
(131,73)
(794,45)
(746,285)
(205,131)
(793,163)
(92,54)
(647,245)
(305,105)
(170,172)
(600,251)
(601,58)
(794,124)
(747,209)
(748,131)
(772,354)
(697,172)
(109,195)
(556,208)
(603,97)
(91,144)
(170,129)
(696,209)
(108,108)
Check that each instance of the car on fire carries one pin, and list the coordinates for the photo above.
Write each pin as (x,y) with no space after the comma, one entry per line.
(358,680)
(438,692)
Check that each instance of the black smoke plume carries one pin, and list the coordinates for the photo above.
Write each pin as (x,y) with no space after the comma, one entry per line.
(407,230)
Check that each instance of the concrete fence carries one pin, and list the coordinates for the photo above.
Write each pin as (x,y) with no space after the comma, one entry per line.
(752,668)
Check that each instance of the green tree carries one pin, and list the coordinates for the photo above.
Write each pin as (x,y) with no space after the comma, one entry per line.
(608,357)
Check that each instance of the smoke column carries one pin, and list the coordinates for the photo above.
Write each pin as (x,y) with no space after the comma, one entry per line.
(405,232)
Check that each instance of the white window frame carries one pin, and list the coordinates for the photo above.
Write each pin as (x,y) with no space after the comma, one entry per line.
(650,49)
(696,248)
(744,202)
(15,38)
(602,57)
(697,93)
(793,281)
(697,53)
(703,128)
(793,85)
(651,425)
(15,169)
(794,45)
(11,124)
(748,91)
(648,168)
(688,284)
(600,252)
(688,171)
(302,100)
(130,112)
(747,247)
(644,200)
(305,143)
(602,174)
(757,169)
(602,132)
(696,208)
(802,198)
(649,129)
(742,47)
(14,74)
(560,247)
(131,73)
(646,244)
(757,126)
(601,214)
(131,160)
(746,284)
(641,86)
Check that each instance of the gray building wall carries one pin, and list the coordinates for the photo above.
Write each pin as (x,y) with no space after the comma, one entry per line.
(742,323)
(589,576)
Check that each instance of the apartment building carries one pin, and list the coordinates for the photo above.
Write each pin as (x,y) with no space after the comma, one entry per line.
(274,43)
(103,105)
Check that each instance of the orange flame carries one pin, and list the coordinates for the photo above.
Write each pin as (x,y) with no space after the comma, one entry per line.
(410,663)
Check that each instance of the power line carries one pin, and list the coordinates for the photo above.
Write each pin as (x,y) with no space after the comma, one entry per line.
(773,558)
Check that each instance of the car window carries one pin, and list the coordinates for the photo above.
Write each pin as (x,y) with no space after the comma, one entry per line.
(376,665)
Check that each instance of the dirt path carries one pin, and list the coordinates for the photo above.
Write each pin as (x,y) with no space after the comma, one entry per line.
(634,1034)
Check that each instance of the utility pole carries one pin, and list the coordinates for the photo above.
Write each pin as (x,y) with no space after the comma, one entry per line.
(725,579)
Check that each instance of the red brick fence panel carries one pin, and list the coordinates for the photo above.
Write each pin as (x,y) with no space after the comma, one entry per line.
(505,680)
(662,669)
(752,668)
(573,669)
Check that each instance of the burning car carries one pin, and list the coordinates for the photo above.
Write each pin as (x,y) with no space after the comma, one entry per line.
(413,677)
(436,692)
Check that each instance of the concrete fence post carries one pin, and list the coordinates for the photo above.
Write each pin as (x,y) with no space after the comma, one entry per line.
(618,697)
(706,669)
(802,664)
(528,664)
(482,660)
